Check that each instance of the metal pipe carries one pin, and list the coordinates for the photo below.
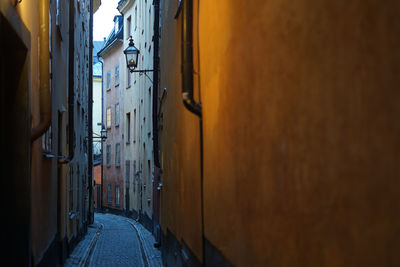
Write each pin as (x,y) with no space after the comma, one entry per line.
(187,94)
(187,59)
(44,72)
(156,66)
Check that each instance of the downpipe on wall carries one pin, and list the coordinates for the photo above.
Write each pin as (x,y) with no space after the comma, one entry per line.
(44,72)
(187,92)
(187,59)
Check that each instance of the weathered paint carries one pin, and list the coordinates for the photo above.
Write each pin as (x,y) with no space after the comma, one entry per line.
(301,139)
(114,174)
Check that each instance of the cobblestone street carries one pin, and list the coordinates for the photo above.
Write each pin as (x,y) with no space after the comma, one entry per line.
(115,241)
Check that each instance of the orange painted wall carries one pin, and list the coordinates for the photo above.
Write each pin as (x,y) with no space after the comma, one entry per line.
(301,133)
(179,144)
(97,174)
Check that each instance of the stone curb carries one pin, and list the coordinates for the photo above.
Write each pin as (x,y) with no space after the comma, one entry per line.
(153,255)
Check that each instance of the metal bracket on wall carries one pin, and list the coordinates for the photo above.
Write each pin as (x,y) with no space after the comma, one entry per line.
(178,11)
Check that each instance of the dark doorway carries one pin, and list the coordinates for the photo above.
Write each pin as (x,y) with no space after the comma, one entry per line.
(15,136)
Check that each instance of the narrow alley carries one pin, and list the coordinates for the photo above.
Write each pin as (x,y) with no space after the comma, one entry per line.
(188,133)
(114,240)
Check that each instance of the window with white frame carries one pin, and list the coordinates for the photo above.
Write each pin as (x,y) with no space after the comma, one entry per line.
(108,80)
(117,75)
(117,114)
(117,154)
(109,194)
(108,155)
(128,27)
(108,117)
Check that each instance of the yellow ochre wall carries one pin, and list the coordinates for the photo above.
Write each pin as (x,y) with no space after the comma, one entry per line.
(43,186)
(179,144)
(301,131)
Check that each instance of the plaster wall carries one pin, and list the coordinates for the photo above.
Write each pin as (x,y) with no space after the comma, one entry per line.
(115,134)
(301,140)
(43,232)
(300,110)
(138,96)
(96,113)
(179,144)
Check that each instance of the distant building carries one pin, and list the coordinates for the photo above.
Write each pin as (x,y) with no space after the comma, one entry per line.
(137,97)
(113,107)
(97,164)
(97,96)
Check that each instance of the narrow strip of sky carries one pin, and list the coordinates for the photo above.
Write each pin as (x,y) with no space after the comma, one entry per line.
(103,19)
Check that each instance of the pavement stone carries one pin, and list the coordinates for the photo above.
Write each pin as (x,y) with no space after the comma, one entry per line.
(82,249)
(153,255)
(115,241)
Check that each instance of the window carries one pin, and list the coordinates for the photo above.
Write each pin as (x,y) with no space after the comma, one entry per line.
(134,175)
(128,27)
(150,103)
(149,29)
(71,188)
(117,155)
(108,155)
(109,196)
(108,119)
(128,173)
(116,26)
(108,80)
(135,18)
(149,170)
(117,194)
(129,79)
(117,114)
(128,128)
(117,75)
(47,143)
(134,126)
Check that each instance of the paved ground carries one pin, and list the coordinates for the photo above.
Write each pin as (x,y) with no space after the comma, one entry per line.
(115,241)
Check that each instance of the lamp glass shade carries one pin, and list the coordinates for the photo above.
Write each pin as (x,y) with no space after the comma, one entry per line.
(103,133)
(131,54)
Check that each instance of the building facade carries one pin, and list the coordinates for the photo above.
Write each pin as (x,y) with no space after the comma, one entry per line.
(48,91)
(97,96)
(293,157)
(113,108)
(138,97)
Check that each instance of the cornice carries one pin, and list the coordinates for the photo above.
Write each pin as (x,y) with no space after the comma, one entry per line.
(125,5)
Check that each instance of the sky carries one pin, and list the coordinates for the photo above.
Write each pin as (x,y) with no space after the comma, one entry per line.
(103,19)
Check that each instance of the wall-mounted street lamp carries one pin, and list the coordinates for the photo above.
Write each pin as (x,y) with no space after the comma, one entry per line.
(102,136)
(103,133)
(132,56)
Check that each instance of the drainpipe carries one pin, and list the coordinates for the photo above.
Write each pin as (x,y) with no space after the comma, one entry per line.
(187,59)
(187,94)
(156,67)
(71,89)
(44,72)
